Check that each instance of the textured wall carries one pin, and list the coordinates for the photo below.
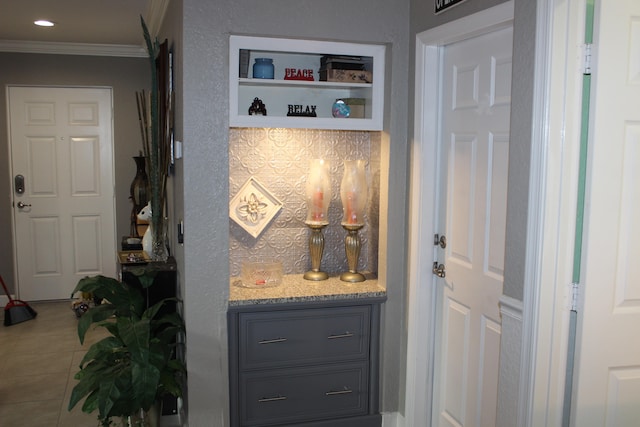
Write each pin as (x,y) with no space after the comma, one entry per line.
(524,45)
(279,160)
(207,26)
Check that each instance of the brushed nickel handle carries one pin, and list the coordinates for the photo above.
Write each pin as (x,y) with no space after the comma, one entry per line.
(439,269)
(273,341)
(347,334)
(334,393)
(272,399)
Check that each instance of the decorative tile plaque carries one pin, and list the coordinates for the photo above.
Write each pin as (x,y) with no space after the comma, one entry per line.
(253,207)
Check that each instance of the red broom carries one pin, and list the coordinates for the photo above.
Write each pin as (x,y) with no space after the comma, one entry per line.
(16,311)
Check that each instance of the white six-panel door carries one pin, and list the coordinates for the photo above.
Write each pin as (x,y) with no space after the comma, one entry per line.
(476,102)
(64,229)
(607,375)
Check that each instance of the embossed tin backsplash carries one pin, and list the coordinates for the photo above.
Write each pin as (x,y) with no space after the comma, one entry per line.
(278,159)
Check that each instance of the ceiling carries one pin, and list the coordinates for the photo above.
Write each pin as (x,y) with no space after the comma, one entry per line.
(78,22)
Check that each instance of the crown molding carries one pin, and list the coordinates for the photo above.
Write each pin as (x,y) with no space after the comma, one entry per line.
(87,49)
(154,15)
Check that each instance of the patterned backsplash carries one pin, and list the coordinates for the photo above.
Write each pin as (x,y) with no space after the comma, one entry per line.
(278,159)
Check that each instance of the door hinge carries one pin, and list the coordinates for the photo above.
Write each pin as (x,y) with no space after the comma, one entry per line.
(573,298)
(587,58)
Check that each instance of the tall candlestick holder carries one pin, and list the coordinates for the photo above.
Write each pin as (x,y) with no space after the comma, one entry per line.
(318,192)
(353,193)
(316,247)
(352,249)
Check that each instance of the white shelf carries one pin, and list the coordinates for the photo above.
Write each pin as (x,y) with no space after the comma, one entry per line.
(277,94)
(302,84)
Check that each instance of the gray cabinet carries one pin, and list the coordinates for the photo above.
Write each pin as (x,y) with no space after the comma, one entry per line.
(305,364)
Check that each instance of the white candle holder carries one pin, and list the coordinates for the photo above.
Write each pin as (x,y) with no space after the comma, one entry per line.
(353,192)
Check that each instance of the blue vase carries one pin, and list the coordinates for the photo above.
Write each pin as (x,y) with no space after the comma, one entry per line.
(263,68)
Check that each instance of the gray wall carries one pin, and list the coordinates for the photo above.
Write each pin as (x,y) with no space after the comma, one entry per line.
(207,26)
(524,36)
(124,75)
(205,115)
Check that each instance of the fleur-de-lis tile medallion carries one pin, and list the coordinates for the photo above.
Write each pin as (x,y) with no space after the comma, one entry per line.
(253,207)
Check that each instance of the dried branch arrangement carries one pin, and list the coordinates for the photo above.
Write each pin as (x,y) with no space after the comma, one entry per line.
(154,115)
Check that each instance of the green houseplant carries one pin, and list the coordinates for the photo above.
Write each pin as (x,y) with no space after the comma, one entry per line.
(129,370)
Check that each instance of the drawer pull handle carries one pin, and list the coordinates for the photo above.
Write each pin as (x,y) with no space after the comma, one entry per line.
(273,341)
(272,399)
(345,335)
(334,393)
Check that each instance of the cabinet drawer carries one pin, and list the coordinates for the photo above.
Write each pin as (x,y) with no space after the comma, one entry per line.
(281,396)
(297,337)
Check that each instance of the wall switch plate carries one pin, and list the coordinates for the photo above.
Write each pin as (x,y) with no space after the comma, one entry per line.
(181,232)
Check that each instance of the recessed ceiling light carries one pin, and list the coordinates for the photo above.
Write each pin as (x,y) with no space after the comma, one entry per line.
(44,23)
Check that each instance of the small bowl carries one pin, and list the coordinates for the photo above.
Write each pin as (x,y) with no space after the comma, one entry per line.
(261,274)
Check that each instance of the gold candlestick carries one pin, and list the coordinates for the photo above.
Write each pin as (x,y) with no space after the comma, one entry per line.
(352,249)
(316,247)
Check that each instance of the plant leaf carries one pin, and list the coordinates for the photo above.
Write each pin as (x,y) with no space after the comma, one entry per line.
(135,336)
(145,380)
(93,315)
(107,349)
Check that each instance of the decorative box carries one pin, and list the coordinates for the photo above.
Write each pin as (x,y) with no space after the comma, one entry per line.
(331,62)
(346,76)
(357,107)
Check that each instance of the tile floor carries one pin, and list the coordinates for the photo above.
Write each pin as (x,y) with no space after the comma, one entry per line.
(38,359)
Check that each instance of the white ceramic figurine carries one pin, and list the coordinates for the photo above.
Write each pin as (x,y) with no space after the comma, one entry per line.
(147,239)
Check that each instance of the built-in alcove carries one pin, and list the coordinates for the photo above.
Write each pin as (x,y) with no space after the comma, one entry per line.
(278,158)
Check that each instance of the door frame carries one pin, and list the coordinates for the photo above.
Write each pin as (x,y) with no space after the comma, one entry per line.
(424,188)
(541,337)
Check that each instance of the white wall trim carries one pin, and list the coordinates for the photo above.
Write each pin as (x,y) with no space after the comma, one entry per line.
(511,307)
(553,190)
(154,15)
(535,219)
(424,171)
(87,49)
(392,419)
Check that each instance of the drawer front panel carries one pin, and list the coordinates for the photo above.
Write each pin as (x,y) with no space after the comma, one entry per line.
(297,337)
(294,395)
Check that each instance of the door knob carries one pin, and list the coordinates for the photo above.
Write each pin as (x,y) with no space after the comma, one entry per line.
(22,205)
(439,270)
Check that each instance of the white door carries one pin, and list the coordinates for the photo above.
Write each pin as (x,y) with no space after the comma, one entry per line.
(474,144)
(64,228)
(607,388)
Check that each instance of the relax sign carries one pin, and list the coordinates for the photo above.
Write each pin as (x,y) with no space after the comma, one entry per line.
(445,4)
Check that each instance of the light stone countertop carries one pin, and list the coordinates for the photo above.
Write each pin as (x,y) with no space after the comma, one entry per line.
(295,288)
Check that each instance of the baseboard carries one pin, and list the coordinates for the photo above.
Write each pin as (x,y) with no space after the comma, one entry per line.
(510,362)
(392,419)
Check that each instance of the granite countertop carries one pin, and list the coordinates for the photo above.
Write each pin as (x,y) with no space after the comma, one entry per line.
(295,288)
